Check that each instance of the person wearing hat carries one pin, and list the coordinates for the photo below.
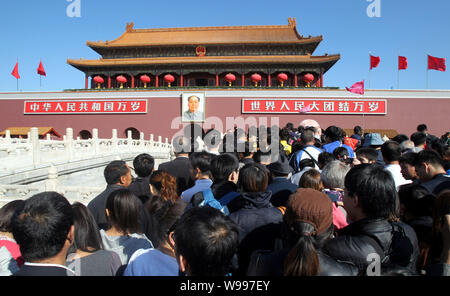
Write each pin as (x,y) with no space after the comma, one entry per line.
(307,225)
(374,141)
(280,186)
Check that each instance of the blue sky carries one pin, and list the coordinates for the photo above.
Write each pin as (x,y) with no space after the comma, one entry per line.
(35,30)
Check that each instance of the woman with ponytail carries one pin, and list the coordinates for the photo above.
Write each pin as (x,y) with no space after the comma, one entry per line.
(308,224)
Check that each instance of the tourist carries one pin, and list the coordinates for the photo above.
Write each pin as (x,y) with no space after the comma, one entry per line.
(225,172)
(307,225)
(201,166)
(311,179)
(391,153)
(419,139)
(332,177)
(159,261)
(212,140)
(284,138)
(246,156)
(407,168)
(118,176)
(366,155)
(307,151)
(438,263)
(211,252)
(44,230)
(304,166)
(357,134)
(12,258)
(280,184)
(334,137)
(143,166)
(370,199)
(123,235)
(430,170)
(86,256)
(341,154)
(416,210)
(374,140)
(258,220)
(324,158)
(180,167)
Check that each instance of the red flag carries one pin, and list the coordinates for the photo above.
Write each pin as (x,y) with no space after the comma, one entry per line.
(402,63)
(357,88)
(374,61)
(41,70)
(15,71)
(436,63)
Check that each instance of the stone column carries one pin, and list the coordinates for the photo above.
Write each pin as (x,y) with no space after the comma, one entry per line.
(35,147)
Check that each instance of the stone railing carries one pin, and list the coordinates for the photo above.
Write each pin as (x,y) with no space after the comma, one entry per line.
(23,162)
(81,194)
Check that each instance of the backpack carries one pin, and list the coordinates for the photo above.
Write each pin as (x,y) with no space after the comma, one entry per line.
(221,205)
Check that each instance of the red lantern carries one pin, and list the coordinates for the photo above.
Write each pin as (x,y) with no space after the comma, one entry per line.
(255,78)
(145,79)
(121,79)
(169,79)
(230,78)
(99,80)
(282,77)
(308,78)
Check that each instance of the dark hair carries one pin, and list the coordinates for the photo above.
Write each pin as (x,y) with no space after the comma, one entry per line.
(400,138)
(223,165)
(408,158)
(357,129)
(305,162)
(181,145)
(114,170)
(284,134)
(416,200)
(165,214)
(428,156)
(334,133)
(41,227)
(7,213)
(422,127)
(201,161)
(123,208)
(212,138)
(166,184)
(87,236)
(193,96)
(324,158)
(143,164)
(307,136)
(311,179)
(262,157)
(340,152)
(303,259)
(391,151)
(253,177)
(419,138)
(375,189)
(216,241)
(370,153)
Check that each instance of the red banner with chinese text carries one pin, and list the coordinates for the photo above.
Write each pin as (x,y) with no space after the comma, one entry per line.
(85,106)
(316,106)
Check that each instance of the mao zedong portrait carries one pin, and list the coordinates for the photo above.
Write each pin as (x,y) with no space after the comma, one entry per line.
(193,114)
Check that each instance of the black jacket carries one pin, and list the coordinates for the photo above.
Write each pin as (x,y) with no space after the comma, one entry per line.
(259,225)
(265,263)
(281,189)
(141,188)
(219,189)
(360,239)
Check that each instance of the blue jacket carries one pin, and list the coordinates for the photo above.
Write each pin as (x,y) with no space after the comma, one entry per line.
(281,189)
(333,145)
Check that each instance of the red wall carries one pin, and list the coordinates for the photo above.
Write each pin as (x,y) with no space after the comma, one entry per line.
(402,114)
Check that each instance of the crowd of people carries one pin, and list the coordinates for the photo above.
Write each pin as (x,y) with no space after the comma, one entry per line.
(318,202)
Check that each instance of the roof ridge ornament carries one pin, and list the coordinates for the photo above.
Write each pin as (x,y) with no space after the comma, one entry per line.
(129,27)
(292,22)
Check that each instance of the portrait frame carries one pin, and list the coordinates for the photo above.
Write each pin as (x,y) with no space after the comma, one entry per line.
(187,116)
